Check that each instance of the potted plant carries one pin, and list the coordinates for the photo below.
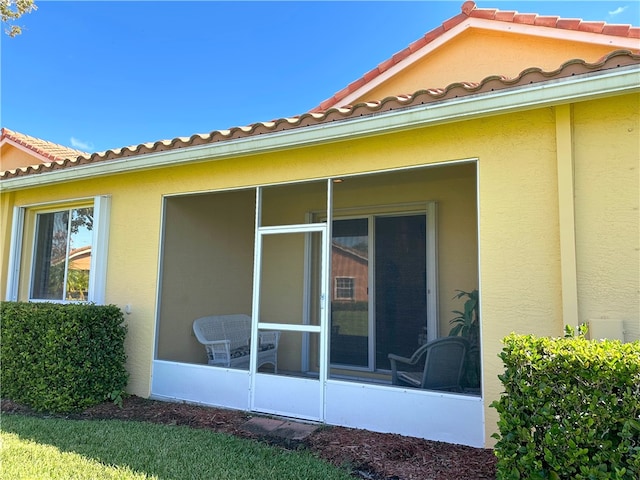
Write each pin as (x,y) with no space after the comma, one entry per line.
(467,325)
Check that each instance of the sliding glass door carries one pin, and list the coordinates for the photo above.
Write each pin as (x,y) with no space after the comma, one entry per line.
(379,282)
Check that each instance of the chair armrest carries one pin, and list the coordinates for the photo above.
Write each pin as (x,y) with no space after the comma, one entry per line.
(397,358)
(270,337)
(219,350)
(217,342)
(393,359)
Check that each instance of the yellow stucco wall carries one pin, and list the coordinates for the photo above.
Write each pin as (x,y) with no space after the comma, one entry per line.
(474,55)
(607,189)
(519,232)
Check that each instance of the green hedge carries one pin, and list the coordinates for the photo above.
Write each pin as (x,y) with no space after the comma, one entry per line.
(62,357)
(570,410)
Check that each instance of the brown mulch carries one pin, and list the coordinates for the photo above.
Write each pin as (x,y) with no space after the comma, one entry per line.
(369,455)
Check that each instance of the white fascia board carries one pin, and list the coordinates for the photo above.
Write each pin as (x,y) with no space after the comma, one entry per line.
(537,95)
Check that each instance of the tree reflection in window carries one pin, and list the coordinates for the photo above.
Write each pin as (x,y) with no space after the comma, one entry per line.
(62,255)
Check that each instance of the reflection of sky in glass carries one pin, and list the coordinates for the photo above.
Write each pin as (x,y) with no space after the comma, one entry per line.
(83,237)
(352,234)
(354,242)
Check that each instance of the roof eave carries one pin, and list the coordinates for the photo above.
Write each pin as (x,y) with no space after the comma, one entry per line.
(26,149)
(558,91)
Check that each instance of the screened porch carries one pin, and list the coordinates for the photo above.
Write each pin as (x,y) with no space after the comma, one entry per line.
(351,272)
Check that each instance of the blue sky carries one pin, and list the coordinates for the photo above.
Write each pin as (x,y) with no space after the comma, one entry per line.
(97,75)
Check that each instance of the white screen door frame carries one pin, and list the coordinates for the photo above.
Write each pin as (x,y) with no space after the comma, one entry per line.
(277,393)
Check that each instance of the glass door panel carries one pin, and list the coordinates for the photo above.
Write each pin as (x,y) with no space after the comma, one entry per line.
(287,294)
(350,293)
(297,354)
(400,285)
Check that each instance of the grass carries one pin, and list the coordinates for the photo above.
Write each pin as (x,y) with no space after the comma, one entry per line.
(48,448)
(351,322)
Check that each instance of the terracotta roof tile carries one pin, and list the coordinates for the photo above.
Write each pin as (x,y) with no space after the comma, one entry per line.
(546,21)
(432,35)
(524,18)
(616,30)
(452,22)
(418,44)
(386,65)
(456,90)
(470,10)
(568,23)
(49,150)
(591,27)
(371,74)
(357,84)
(487,13)
(505,15)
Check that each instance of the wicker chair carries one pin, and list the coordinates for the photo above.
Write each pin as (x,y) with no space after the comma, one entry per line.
(443,365)
(226,339)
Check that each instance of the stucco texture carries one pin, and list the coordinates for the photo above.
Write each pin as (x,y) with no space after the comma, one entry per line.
(517,244)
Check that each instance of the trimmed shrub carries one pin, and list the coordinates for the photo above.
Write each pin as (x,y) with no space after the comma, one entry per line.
(62,357)
(570,410)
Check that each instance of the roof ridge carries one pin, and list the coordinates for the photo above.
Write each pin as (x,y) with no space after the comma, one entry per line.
(615,59)
(49,150)
(469,9)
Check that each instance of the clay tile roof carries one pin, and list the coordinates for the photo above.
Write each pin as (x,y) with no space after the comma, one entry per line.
(52,152)
(470,10)
(571,68)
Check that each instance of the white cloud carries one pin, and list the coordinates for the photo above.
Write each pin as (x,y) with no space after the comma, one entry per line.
(80,145)
(618,11)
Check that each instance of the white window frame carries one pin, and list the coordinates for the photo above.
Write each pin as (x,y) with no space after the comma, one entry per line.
(340,288)
(99,248)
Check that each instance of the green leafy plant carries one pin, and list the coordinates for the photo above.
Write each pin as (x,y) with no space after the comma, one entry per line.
(570,409)
(581,331)
(117,397)
(62,357)
(467,324)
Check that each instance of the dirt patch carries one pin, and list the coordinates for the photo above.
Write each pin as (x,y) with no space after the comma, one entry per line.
(369,455)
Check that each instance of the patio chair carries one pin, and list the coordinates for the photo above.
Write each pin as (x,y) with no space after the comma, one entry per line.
(443,365)
(227,338)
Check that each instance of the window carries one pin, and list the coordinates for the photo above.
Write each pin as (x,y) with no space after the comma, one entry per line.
(62,255)
(68,255)
(344,288)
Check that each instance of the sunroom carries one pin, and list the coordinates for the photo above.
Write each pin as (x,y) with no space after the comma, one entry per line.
(348,271)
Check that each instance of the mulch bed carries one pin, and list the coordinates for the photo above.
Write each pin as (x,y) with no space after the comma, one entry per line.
(369,455)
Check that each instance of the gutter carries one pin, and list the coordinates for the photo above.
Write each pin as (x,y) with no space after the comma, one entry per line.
(590,86)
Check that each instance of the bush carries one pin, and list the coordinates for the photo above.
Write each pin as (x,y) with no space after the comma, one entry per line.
(62,357)
(570,410)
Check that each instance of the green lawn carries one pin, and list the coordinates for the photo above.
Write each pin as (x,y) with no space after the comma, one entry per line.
(36,448)
(351,322)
